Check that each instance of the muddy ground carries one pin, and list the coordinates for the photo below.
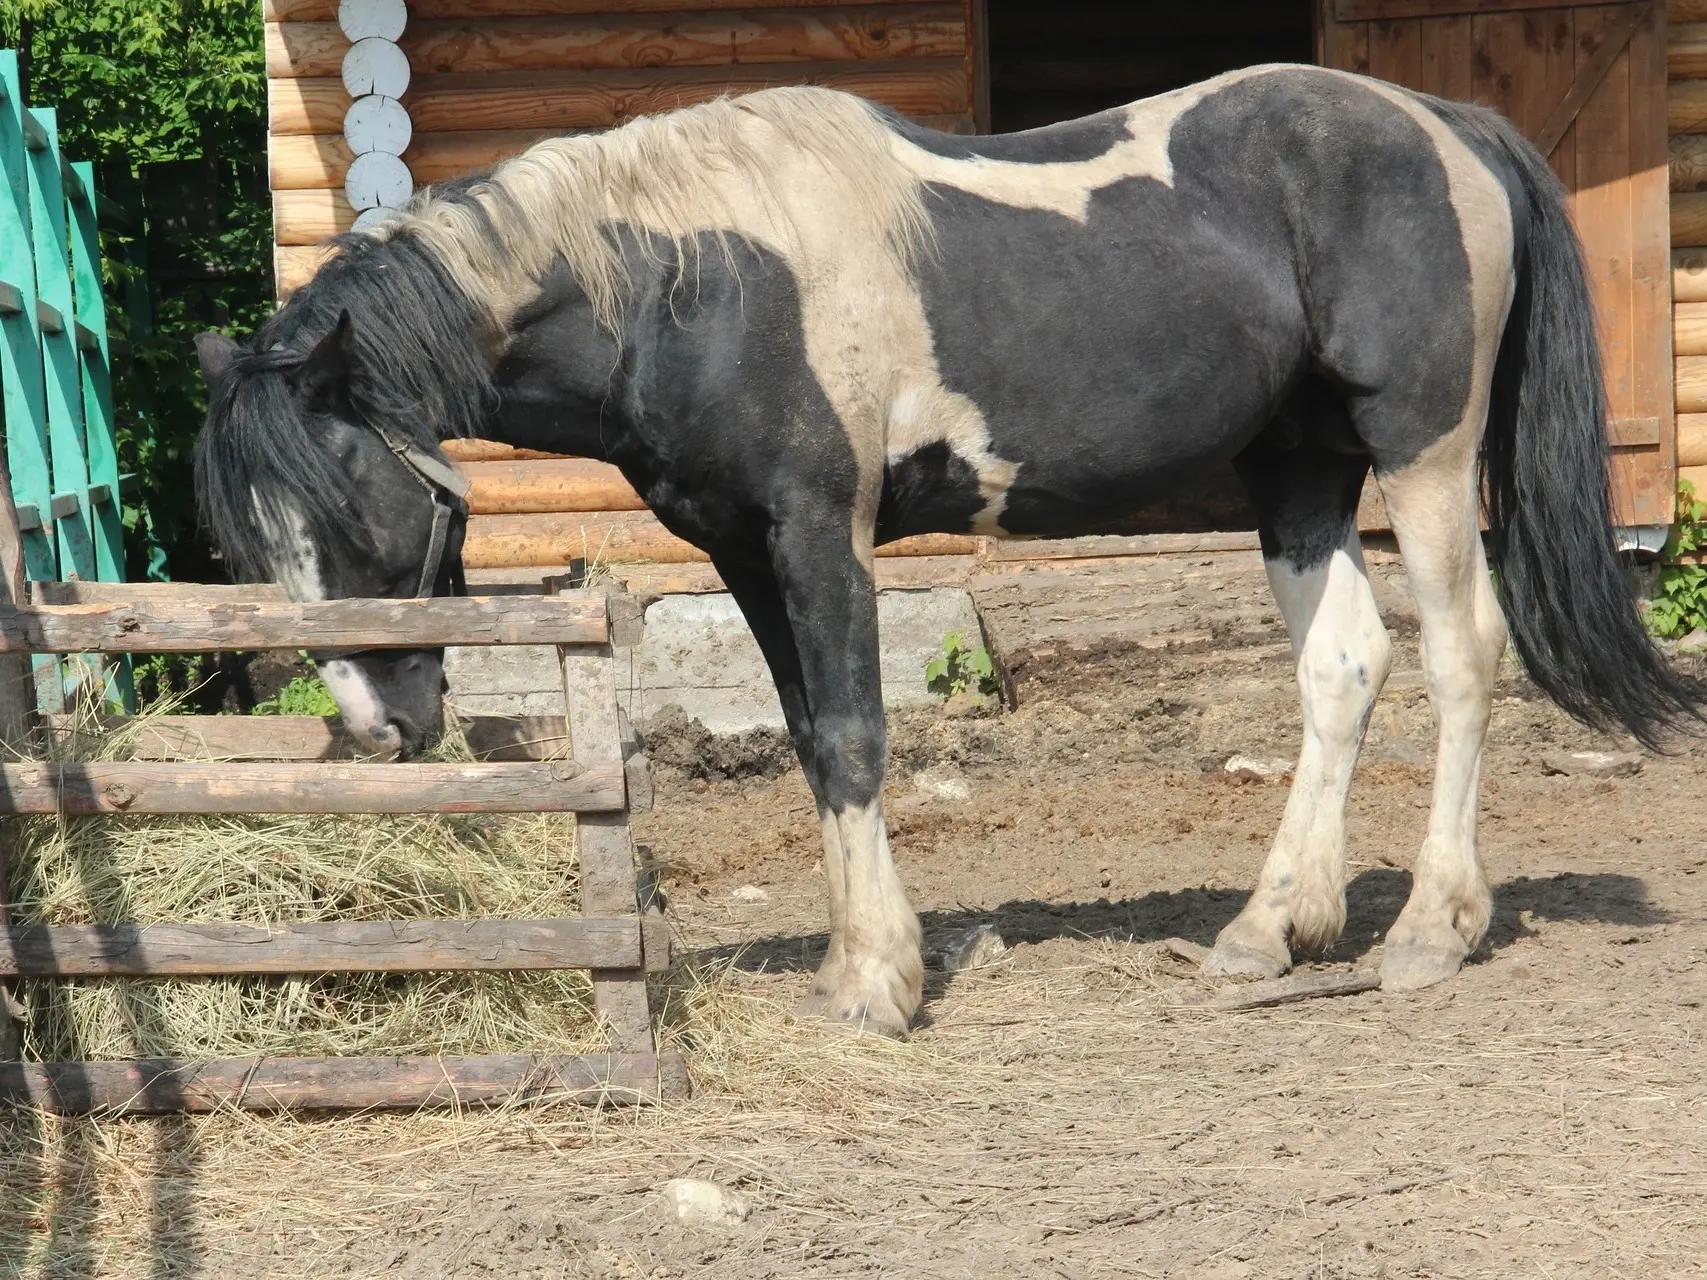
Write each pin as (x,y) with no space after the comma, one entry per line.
(1065,1111)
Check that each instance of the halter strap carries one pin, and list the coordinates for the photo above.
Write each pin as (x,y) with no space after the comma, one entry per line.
(436,477)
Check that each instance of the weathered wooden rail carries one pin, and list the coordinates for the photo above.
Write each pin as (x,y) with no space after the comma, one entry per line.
(283,764)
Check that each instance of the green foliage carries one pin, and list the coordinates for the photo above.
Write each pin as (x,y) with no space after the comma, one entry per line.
(169,98)
(303,696)
(1682,603)
(960,668)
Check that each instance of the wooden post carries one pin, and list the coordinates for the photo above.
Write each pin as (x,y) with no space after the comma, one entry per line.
(17,711)
(609,886)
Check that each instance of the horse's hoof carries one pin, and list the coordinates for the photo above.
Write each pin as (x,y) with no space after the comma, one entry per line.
(813,1006)
(873,1016)
(1413,964)
(1242,952)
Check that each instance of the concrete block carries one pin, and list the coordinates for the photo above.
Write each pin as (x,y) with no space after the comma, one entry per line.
(696,652)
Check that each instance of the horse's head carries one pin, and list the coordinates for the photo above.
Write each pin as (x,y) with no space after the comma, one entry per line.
(313,472)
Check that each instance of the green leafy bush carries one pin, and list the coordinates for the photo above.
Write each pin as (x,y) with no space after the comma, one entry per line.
(303,696)
(961,668)
(1682,603)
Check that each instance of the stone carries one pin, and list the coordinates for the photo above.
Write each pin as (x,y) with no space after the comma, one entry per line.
(1694,642)
(1261,768)
(1593,764)
(695,1202)
(941,784)
(750,893)
(979,946)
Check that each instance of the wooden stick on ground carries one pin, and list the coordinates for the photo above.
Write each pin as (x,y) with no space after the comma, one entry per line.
(1295,987)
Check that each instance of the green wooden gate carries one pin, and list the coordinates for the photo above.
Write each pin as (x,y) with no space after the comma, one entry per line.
(55,380)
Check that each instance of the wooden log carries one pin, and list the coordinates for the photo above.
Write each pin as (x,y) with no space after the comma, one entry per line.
(308,217)
(557,43)
(623,537)
(327,10)
(305,49)
(577,484)
(1697,477)
(336,946)
(1687,161)
(1101,546)
(601,99)
(1689,329)
(1691,384)
(203,593)
(175,737)
(1686,51)
(1692,440)
(1689,275)
(472,450)
(585,43)
(308,105)
(148,787)
(295,266)
(298,162)
(1686,106)
(171,626)
(1687,10)
(1295,987)
(165,1086)
(1689,219)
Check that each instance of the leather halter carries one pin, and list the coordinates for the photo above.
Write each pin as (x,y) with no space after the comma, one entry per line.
(438,478)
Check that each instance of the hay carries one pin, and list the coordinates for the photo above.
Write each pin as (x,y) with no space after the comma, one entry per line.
(286,868)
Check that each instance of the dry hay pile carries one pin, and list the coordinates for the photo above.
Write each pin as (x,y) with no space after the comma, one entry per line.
(261,869)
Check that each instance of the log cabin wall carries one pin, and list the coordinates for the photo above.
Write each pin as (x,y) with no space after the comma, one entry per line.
(1686,122)
(482,79)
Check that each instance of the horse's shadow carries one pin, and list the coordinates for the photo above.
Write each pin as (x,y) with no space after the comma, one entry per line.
(1373,901)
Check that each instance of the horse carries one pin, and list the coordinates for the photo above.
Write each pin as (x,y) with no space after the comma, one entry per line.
(803,326)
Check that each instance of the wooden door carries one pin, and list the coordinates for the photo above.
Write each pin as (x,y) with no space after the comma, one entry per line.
(1587,84)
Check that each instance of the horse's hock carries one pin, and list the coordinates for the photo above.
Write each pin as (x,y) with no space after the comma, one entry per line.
(696,652)
(577,767)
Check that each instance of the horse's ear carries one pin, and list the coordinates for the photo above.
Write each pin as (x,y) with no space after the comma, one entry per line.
(214,352)
(323,380)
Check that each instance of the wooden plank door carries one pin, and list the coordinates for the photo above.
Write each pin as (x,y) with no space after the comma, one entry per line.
(1588,84)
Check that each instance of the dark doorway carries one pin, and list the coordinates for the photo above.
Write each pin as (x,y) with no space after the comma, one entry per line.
(1056,59)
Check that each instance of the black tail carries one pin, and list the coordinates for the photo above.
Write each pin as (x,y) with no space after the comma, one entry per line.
(1568,603)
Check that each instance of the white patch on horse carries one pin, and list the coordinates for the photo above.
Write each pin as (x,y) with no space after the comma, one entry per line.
(363,710)
(295,564)
(1343,654)
(1067,187)
(882,976)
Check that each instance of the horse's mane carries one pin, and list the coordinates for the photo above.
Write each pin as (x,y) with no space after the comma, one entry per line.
(718,168)
(430,290)
(420,374)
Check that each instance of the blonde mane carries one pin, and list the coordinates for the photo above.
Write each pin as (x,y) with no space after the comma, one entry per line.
(757,167)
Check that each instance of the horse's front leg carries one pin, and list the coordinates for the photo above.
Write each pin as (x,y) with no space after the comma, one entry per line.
(873,974)
(753,584)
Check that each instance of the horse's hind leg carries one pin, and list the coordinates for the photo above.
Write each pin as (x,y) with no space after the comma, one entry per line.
(1432,502)
(1306,502)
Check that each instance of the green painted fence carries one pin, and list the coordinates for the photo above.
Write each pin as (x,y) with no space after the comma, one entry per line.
(55,382)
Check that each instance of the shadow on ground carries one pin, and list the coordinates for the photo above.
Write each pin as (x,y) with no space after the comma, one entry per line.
(1373,901)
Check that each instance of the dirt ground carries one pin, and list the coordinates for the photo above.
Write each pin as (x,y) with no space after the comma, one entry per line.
(1064,1111)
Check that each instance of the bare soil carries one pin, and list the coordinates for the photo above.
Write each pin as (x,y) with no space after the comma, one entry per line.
(1066,1110)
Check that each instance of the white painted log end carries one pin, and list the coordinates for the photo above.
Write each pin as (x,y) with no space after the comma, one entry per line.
(375,123)
(384,19)
(376,66)
(378,181)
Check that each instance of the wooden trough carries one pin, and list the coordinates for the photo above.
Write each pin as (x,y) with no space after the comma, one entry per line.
(573,764)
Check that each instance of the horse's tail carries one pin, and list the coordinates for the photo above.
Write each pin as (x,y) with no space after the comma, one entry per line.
(1568,604)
